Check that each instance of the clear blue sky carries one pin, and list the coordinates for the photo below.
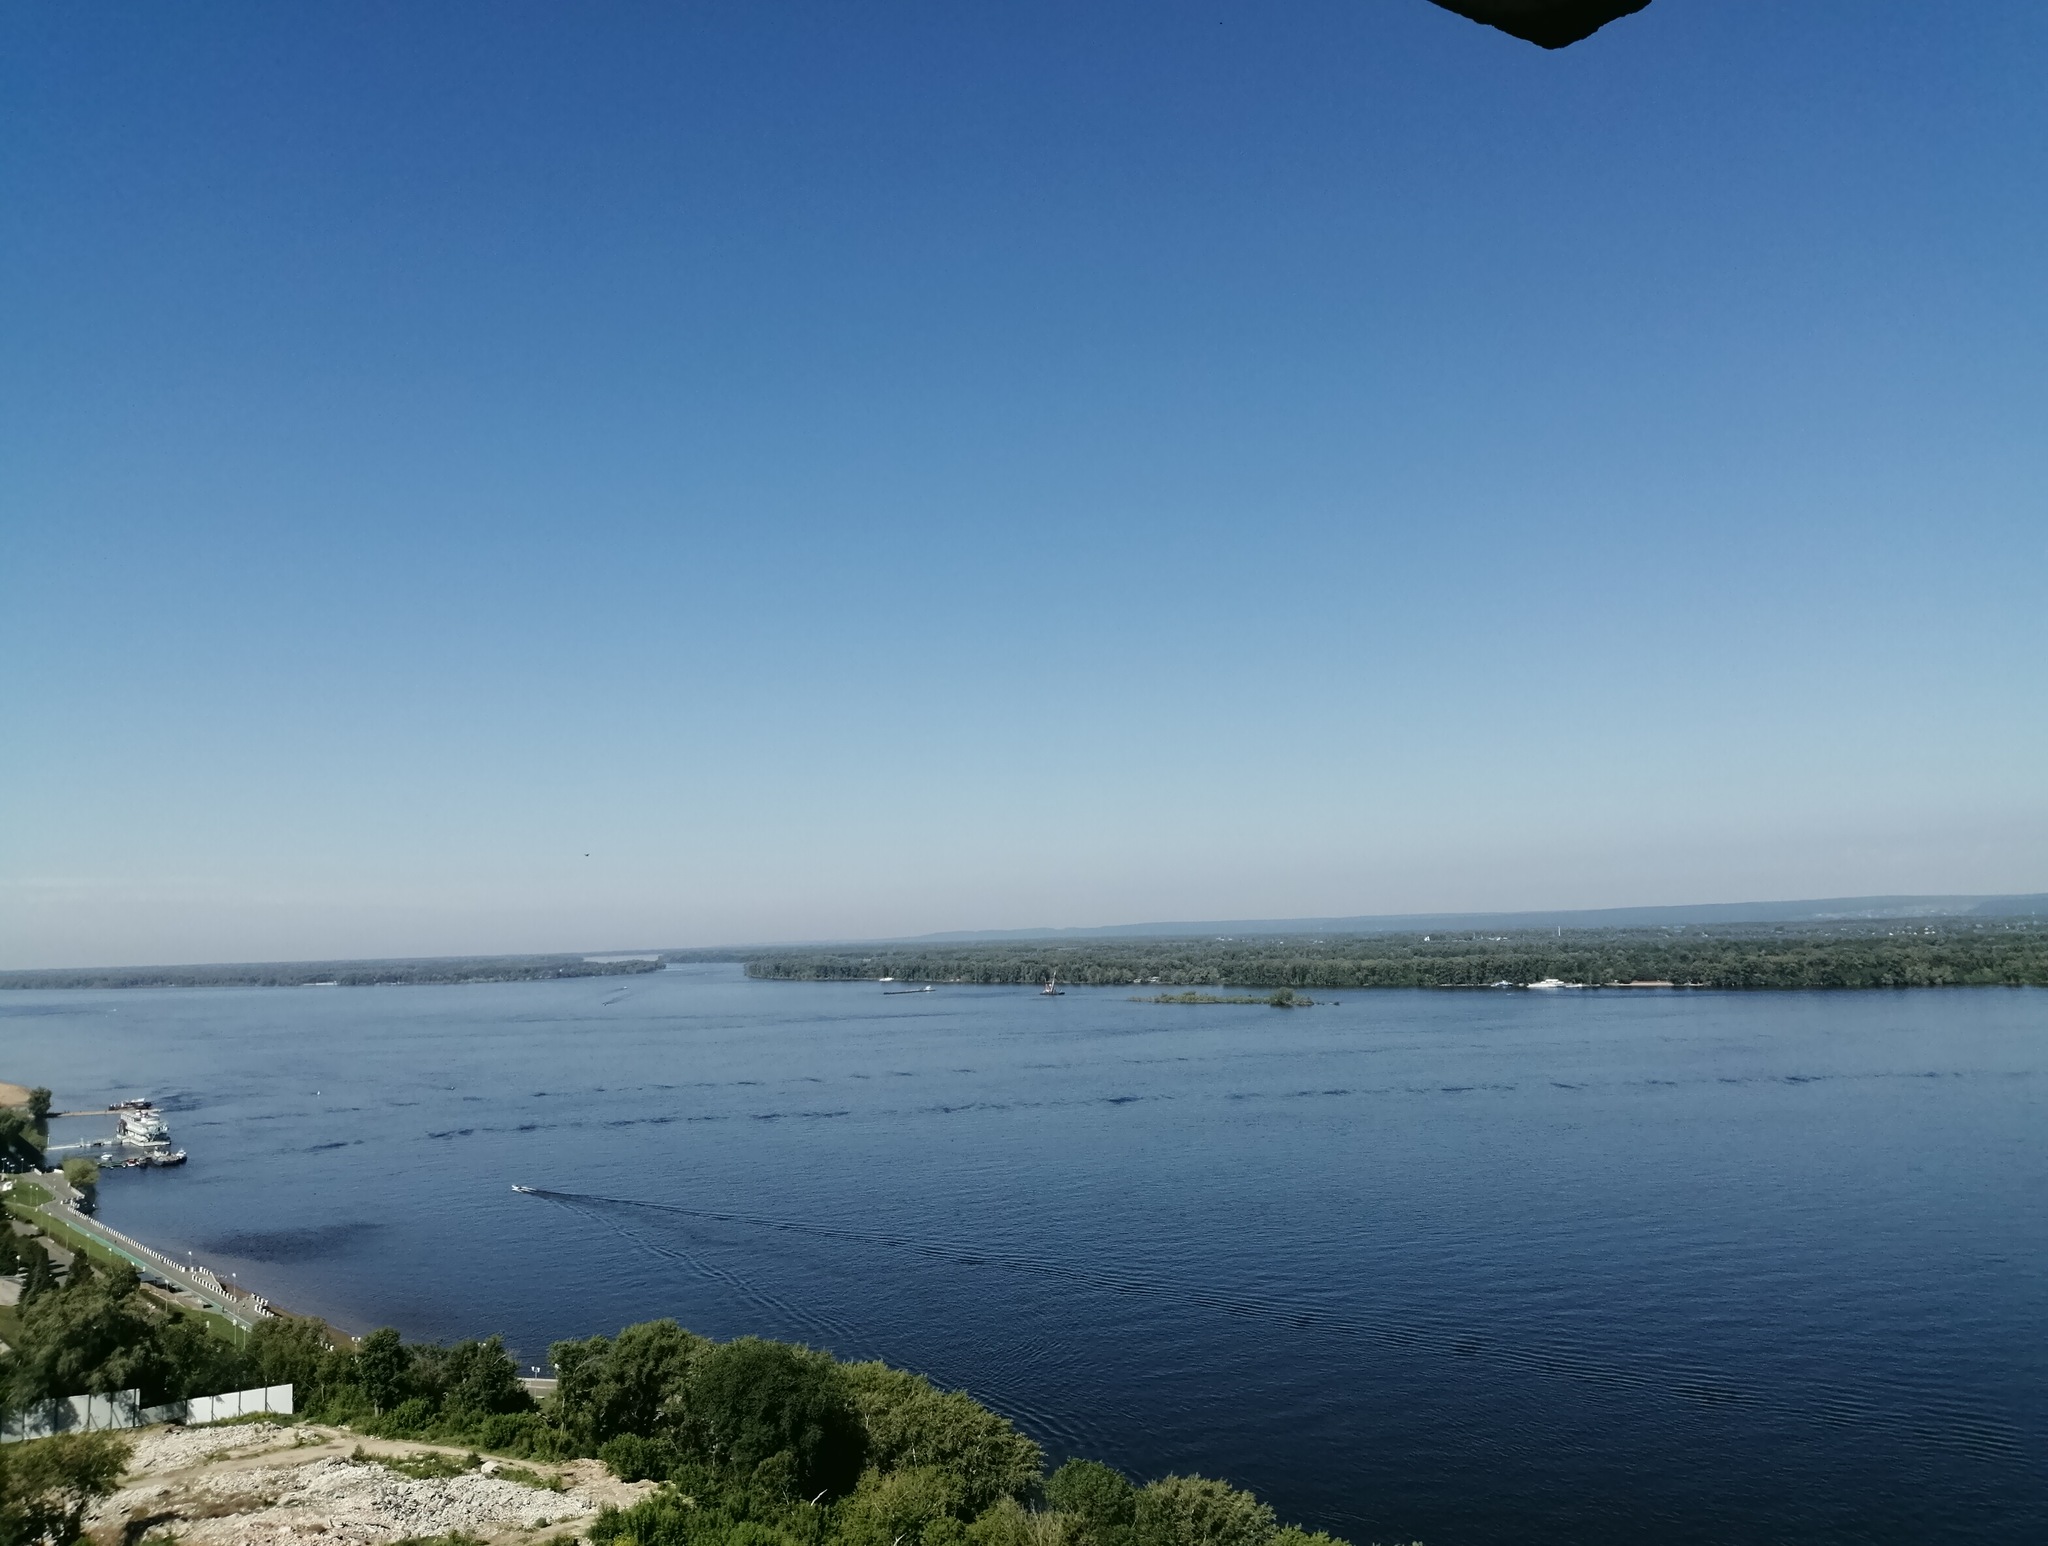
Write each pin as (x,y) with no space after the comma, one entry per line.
(853,470)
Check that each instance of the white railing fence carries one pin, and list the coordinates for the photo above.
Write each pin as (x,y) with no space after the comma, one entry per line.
(254,1303)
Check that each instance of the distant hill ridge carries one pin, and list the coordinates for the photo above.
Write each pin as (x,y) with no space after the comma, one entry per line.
(1842,909)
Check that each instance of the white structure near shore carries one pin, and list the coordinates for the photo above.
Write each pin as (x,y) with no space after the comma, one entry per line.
(124,1409)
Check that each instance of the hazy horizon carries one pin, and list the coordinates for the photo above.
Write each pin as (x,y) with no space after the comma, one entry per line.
(1755,910)
(483,477)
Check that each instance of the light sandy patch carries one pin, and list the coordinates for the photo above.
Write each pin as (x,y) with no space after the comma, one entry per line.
(173,1449)
(13,1094)
(268,1485)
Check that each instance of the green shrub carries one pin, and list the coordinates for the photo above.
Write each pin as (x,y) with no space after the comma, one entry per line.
(1009,1523)
(910,1421)
(749,1401)
(47,1485)
(921,1504)
(527,1435)
(631,1383)
(1103,1504)
(632,1458)
(1196,1511)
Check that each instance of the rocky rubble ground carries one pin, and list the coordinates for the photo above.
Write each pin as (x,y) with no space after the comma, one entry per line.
(268,1485)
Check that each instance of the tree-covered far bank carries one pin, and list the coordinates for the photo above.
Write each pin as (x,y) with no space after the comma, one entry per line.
(1948,953)
(335,974)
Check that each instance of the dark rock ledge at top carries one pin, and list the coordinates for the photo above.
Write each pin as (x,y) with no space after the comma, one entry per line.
(1552,23)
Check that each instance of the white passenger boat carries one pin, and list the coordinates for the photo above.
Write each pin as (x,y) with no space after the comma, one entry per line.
(144,1128)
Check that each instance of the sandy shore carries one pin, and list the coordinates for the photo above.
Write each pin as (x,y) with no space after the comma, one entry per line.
(13,1094)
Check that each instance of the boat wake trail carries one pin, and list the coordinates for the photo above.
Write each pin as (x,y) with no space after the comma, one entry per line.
(817,1325)
(1928,1419)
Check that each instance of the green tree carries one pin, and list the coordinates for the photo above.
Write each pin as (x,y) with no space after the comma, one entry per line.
(1009,1523)
(39,1106)
(291,1350)
(1196,1511)
(37,1276)
(632,1383)
(92,1339)
(1291,1535)
(750,1400)
(674,1518)
(634,1459)
(21,1141)
(920,1504)
(1103,1503)
(47,1485)
(909,1421)
(82,1173)
(479,1380)
(192,1361)
(383,1368)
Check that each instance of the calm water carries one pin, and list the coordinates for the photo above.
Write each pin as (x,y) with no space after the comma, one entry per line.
(1472,1268)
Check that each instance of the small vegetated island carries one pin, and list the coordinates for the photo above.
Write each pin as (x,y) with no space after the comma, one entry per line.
(1279,998)
(2006,952)
(753,1443)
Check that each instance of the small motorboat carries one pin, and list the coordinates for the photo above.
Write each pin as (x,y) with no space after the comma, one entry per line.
(1052,988)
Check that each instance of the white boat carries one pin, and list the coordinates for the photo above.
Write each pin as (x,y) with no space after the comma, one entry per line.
(1052,988)
(144,1128)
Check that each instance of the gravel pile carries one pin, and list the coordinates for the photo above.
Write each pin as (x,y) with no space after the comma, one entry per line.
(172,1449)
(338,1502)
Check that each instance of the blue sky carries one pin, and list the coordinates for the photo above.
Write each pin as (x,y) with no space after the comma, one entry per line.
(854,470)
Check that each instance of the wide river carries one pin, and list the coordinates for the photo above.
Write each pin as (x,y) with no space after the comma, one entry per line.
(1472,1268)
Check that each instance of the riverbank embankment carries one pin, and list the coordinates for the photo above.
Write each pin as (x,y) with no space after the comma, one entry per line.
(47,1201)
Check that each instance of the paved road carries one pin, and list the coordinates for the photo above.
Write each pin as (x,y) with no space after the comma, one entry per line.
(130,1251)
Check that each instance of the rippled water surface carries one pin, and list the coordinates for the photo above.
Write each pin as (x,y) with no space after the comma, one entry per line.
(1473,1268)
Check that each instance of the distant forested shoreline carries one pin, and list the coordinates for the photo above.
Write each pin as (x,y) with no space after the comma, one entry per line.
(2005,953)
(2002,952)
(341,974)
